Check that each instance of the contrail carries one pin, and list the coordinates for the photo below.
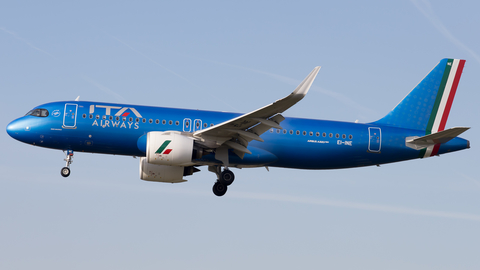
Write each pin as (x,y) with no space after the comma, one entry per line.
(268,197)
(354,205)
(474,181)
(171,71)
(105,89)
(25,41)
(338,96)
(151,60)
(425,8)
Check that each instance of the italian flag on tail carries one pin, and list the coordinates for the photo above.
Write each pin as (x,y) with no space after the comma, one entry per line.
(443,102)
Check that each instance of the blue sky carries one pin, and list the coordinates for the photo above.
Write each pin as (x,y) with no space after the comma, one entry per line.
(237,56)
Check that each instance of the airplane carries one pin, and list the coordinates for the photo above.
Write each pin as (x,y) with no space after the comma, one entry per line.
(173,143)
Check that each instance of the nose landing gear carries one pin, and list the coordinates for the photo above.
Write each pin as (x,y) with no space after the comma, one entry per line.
(224,179)
(65,171)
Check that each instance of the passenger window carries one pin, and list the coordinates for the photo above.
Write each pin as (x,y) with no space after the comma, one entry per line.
(84,116)
(157,121)
(291,132)
(317,134)
(136,120)
(304,133)
(330,135)
(124,119)
(337,135)
(90,116)
(110,117)
(104,117)
(117,118)
(205,125)
(177,123)
(344,136)
(350,137)
(324,134)
(170,122)
(97,116)
(278,130)
(144,120)
(310,133)
(150,121)
(211,125)
(298,132)
(164,122)
(271,130)
(284,131)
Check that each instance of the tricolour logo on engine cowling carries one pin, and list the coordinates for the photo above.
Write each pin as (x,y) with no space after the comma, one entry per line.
(162,149)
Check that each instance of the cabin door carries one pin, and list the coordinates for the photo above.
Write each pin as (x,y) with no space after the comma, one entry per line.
(70,115)
(375,141)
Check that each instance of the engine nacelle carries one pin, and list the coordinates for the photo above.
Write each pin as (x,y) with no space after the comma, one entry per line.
(160,173)
(169,148)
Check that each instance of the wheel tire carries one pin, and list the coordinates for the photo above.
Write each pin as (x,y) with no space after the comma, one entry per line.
(65,171)
(227,177)
(219,189)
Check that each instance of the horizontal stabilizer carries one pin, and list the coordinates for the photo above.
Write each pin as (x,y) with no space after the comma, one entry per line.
(435,138)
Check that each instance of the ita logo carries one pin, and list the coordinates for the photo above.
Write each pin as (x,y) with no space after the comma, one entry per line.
(162,150)
(56,113)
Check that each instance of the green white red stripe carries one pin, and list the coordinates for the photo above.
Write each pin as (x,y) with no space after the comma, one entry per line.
(443,102)
(161,149)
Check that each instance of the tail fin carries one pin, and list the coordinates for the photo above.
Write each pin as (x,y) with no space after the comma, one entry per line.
(427,106)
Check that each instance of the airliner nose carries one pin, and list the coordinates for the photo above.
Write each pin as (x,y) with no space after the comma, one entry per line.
(14,128)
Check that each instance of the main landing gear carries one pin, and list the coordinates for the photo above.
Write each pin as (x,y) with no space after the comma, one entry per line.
(65,172)
(224,179)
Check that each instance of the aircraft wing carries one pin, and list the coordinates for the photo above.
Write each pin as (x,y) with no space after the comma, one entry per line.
(237,132)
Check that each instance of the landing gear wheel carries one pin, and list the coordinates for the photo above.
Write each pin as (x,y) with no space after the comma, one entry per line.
(65,172)
(227,177)
(219,189)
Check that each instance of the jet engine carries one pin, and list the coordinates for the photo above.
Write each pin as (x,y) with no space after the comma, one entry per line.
(161,173)
(169,157)
(170,148)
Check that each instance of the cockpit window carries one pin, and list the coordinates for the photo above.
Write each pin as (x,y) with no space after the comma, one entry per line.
(38,112)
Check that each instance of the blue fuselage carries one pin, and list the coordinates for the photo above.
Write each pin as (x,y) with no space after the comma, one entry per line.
(302,143)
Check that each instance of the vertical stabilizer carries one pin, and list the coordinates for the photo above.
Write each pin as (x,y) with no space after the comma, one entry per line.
(427,106)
